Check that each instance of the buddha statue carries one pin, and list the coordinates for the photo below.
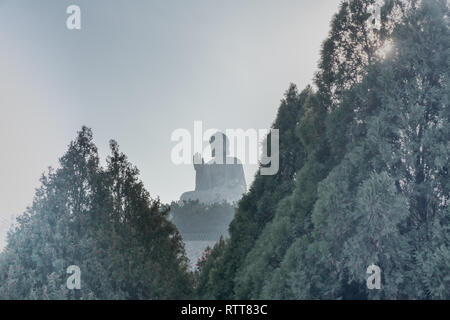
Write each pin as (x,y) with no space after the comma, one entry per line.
(220,179)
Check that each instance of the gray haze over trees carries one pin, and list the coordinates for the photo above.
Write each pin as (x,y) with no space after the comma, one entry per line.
(364,180)
(138,70)
(366,163)
(101,220)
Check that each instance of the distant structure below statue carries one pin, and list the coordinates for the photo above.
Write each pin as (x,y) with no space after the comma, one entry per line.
(220,179)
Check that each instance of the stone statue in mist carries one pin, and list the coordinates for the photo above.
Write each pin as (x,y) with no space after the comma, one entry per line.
(220,179)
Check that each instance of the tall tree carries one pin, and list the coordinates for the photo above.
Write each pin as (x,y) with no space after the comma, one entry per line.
(257,207)
(322,129)
(104,222)
(374,180)
(387,201)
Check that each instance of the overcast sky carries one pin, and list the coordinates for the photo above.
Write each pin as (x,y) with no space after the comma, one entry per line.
(138,70)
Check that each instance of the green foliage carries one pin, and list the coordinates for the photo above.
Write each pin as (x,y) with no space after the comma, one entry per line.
(291,216)
(372,186)
(209,280)
(102,220)
(363,179)
(258,206)
(351,46)
(386,202)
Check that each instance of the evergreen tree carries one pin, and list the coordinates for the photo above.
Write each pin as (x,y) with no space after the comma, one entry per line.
(373,186)
(387,202)
(291,212)
(209,280)
(104,222)
(349,49)
(257,207)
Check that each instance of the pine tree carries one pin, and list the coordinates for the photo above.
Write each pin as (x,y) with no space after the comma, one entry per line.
(104,222)
(373,186)
(349,49)
(257,207)
(387,202)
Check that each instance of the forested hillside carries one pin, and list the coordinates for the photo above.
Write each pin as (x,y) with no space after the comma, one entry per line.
(364,171)
(364,180)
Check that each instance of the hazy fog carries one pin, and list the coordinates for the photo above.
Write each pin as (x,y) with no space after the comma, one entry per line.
(139,70)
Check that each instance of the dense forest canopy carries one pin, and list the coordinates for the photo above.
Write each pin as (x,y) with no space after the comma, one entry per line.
(369,180)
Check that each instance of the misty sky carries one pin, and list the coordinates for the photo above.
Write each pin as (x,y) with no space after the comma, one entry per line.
(137,71)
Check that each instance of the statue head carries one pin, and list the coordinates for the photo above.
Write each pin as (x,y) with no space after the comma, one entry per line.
(220,145)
